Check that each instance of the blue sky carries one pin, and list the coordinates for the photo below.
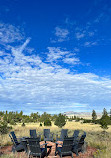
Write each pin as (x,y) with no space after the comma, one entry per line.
(55,56)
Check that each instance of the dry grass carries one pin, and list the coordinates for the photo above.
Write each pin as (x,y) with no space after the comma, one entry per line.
(11,156)
(95,136)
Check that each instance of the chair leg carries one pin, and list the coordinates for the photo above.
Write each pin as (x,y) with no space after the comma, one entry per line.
(72,155)
(13,149)
(77,153)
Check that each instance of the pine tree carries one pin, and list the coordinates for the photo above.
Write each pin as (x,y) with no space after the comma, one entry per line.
(105,120)
(110,114)
(94,115)
(60,121)
(104,124)
(105,114)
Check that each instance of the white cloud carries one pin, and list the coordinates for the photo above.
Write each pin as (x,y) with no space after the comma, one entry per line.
(73,61)
(61,35)
(76,49)
(79,35)
(91,34)
(44,88)
(30,84)
(56,53)
(100,16)
(89,44)
(9,33)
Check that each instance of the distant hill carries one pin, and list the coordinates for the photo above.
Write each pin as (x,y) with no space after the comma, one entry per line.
(81,114)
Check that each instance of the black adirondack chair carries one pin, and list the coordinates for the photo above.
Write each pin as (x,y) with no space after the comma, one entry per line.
(35,149)
(62,135)
(66,147)
(48,136)
(33,134)
(18,145)
(78,145)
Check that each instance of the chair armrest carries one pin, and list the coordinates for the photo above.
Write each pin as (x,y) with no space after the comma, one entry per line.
(58,143)
(19,139)
(31,145)
(44,144)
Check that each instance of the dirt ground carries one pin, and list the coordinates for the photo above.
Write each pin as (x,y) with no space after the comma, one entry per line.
(51,154)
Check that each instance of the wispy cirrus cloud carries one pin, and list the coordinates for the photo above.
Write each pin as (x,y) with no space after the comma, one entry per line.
(76,49)
(9,34)
(56,53)
(104,15)
(61,35)
(79,35)
(73,61)
(89,44)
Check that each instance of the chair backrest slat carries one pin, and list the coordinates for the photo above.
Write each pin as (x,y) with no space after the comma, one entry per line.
(76,134)
(63,133)
(33,133)
(81,141)
(46,133)
(13,138)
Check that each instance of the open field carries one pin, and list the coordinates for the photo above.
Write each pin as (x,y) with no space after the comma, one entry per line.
(95,135)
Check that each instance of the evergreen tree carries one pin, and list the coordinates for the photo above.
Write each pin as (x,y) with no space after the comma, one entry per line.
(4,128)
(47,122)
(60,121)
(44,117)
(105,120)
(110,114)
(94,115)
(105,114)
(5,118)
(104,124)
(35,117)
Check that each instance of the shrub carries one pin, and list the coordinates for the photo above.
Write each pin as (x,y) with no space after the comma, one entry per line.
(77,119)
(70,119)
(4,128)
(60,121)
(47,122)
(104,124)
(23,124)
(87,121)
(40,124)
(12,122)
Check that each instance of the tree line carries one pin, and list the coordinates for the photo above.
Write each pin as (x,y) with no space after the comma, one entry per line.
(12,118)
(16,117)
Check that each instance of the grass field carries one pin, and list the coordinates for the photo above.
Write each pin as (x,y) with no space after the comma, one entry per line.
(95,135)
